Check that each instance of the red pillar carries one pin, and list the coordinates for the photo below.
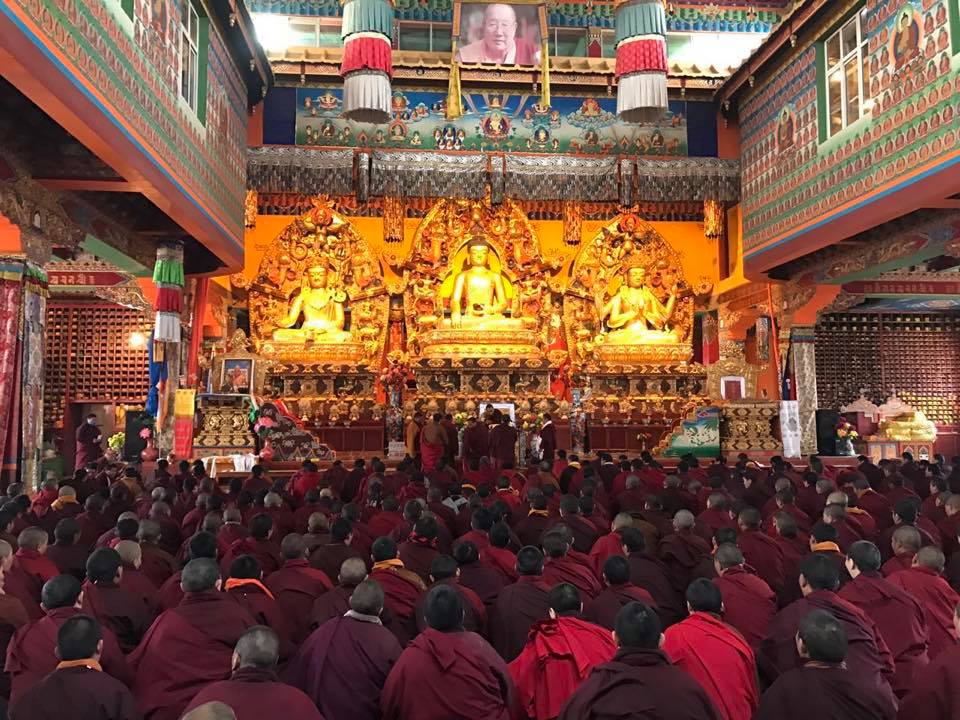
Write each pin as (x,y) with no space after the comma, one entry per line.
(196,331)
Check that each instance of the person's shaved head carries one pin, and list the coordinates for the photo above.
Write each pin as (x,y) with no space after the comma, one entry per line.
(907,539)
(367,598)
(353,571)
(60,591)
(683,520)
(200,575)
(293,547)
(33,538)
(129,553)
(258,647)
(930,557)
(728,556)
(6,550)
(838,498)
(211,711)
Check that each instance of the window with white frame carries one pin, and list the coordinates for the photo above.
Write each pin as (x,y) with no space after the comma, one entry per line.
(189,53)
(848,76)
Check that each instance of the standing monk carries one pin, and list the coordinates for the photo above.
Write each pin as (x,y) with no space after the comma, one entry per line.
(476,441)
(88,442)
(714,654)
(189,646)
(503,442)
(411,434)
(447,673)
(548,440)
(433,443)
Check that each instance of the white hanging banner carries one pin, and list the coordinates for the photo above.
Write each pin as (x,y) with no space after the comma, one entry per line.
(790,428)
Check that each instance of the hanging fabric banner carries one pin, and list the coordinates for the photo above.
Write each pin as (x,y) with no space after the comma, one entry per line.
(367,64)
(641,49)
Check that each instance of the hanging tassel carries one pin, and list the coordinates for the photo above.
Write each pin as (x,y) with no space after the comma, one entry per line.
(454,100)
(545,74)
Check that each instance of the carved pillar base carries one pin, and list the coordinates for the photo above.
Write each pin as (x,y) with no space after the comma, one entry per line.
(805,371)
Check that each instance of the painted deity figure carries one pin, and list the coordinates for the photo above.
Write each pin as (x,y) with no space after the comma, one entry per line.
(479,294)
(635,316)
(321,308)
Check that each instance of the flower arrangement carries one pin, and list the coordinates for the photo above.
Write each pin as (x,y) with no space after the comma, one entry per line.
(264,425)
(394,376)
(531,421)
(846,431)
(115,442)
(146,433)
(460,419)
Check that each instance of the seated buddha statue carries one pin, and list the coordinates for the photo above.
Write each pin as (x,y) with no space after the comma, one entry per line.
(322,311)
(479,295)
(635,316)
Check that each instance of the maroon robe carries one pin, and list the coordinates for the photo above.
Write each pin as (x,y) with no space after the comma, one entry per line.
(879,508)
(186,649)
(69,559)
(896,564)
(825,692)
(474,611)
(331,605)
(763,553)
(118,610)
(503,442)
(417,557)
(296,586)
(605,548)
(92,526)
(681,552)
(566,570)
(583,531)
(26,577)
(748,603)
(938,601)
(253,596)
(256,693)
(170,593)
(603,609)
(12,617)
(900,620)
(30,655)
(476,441)
(484,580)
(714,519)
(80,693)
(266,552)
(343,666)
(517,607)
(229,533)
(867,653)
(936,692)
(330,557)
(448,676)
(135,582)
(88,448)
(530,530)
(639,684)
(384,523)
(156,563)
(401,590)
(651,574)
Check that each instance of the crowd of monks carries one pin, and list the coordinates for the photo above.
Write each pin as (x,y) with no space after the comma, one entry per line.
(575,589)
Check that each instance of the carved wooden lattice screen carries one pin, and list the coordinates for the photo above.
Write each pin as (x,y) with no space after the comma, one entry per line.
(915,355)
(89,357)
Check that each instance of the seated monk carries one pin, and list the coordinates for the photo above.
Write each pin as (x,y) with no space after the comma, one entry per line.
(714,654)
(29,656)
(296,585)
(157,563)
(336,602)
(898,616)
(560,567)
(447,673)
(748,602)
(201,545)
(933,694)
(610,544)
(924,582)
(485,580)
(189,646)
(445,571)
(619,591)
(419,550)
(344,664)
(823,687)
(259,545)
(401,588)
(639,678)
(30,570)
(649,573)
(520,605)
(560,653)
(66,553)
(905,542)
(760,550)
(682,551)
(211,711)
(77,688)
(134,581)
(330,557)
(13,616)
(254,690)
(245,585)
(110,604)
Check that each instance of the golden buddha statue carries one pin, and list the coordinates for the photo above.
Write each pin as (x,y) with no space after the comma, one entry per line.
(635,316)
(321,308)
(479,295)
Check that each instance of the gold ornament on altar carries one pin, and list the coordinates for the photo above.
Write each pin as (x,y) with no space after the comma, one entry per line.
(714,218)
(475,283)
(627,301)
(319,294)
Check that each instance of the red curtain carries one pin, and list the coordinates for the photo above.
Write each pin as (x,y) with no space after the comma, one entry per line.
(11,350)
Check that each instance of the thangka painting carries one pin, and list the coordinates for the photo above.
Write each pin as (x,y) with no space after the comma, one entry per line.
(491,121)
(699,436)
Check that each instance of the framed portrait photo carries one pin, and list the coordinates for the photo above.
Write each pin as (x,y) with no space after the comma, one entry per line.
(236,376)
(500,33)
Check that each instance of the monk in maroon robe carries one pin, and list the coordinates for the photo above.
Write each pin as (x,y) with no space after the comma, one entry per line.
(190,646)
(110,604)
(748,602)
(445,571)
(714,654)
(934,693)
(336,602)
(476,440)
(925,583)
(503,442)
(66,553)
(619,591)
(156,563)
(560,567)
(296,586)
(401,588)
(822,686)
(30,656)
(420,548)
(649,573)
(867,655)
(30,570)
(254,690)
(559,654)
(760,550)
(583,532)
(640,680)
(610,544)
(530,529)
(88,447)
(520,605)
(330,557)
(682,550)
(202,545)
(245,585)
(78,688)
(344,664)
(485,580)
(13,616)
(498,554)
(447,673)
(134,581)
(259,545)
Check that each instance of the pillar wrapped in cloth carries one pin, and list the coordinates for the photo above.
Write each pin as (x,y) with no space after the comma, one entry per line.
(367,64)
(641,72)
(168,277)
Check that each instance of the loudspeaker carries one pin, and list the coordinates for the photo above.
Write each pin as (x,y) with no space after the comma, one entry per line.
(827,431)
(132,442)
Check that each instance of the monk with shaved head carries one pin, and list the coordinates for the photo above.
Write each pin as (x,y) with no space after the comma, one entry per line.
(254,691)
(30,570)
(924,582)
(905,542)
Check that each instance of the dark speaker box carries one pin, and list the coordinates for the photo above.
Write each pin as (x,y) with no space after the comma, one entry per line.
(827,431)
(132,442)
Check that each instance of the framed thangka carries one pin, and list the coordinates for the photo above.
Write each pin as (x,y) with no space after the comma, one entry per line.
(500,33)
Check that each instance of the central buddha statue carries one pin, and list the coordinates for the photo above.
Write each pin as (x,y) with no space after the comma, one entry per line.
(322,311)
(635,316)
(479,296)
